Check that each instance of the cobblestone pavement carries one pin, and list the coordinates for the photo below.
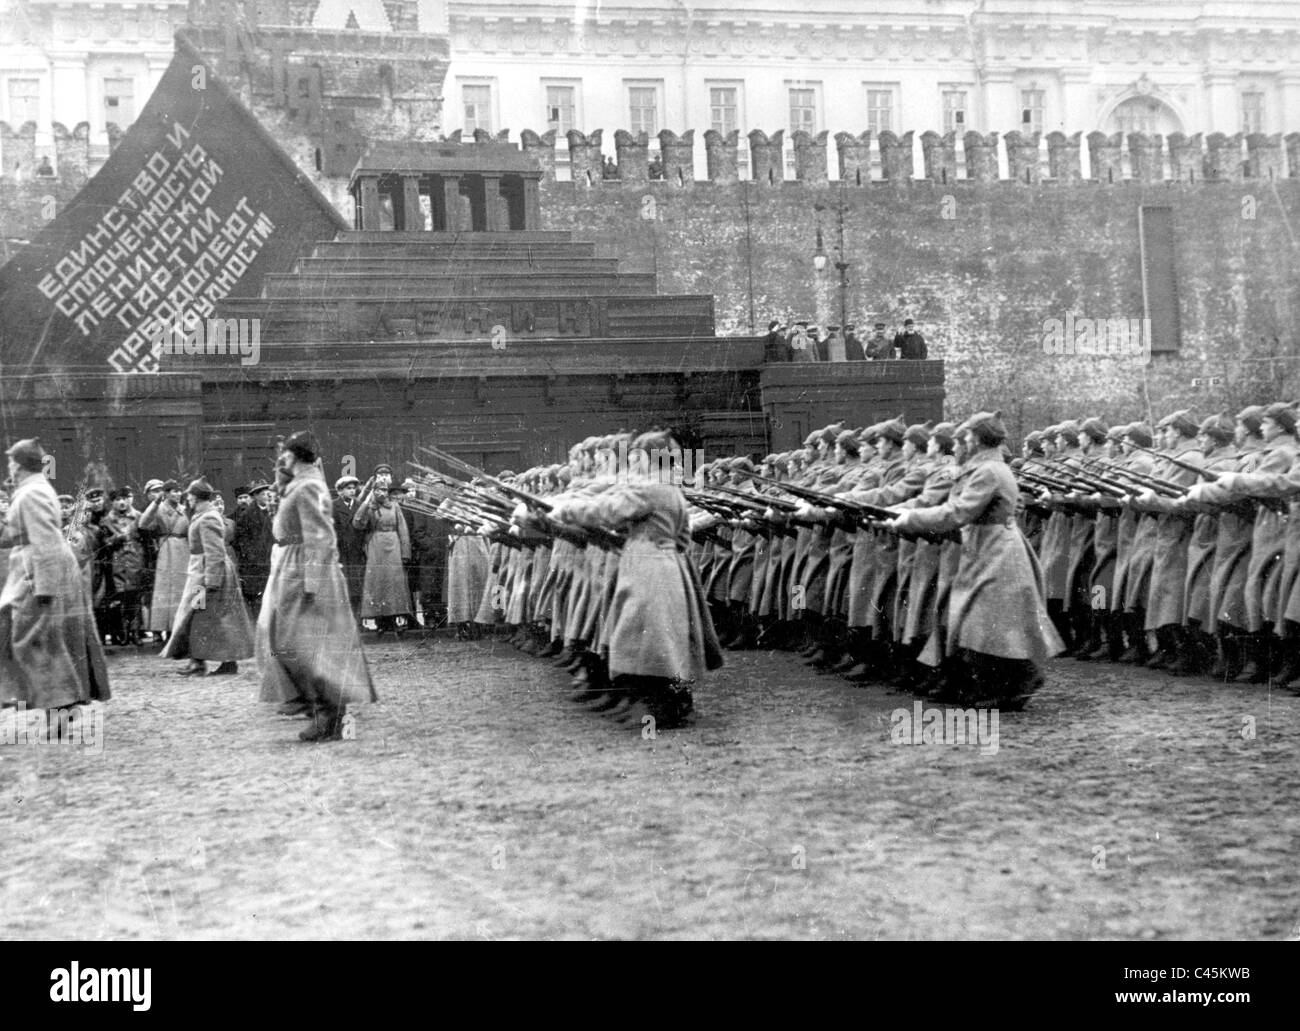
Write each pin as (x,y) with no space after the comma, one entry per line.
(477,801)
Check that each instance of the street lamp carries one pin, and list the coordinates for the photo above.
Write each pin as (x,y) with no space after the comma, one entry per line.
(841,265)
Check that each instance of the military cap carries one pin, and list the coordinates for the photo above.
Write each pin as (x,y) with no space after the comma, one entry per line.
(848,440)
(169,485)
(1094,429)
(241,490)
(1218,427)
(28,454)
(1069,430)
(153,485)
(1116,433)
(346,481)
(201,489)
(1034,441)
(831,432)
(67,499)
(892,429)
(1183,422)
(1250,417)
(1140,433)
(405,487)
(303,445)
(120,493)
(742,463)
(382,467)
(988,427)
(918,433)
(94,493)
(1282,414)
(945,433)
(256,487)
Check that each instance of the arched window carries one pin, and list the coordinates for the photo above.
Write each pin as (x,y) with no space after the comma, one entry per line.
(1144,114)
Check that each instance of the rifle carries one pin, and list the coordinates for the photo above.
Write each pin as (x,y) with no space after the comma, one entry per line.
(860,509)
(1179,462)
(602,537)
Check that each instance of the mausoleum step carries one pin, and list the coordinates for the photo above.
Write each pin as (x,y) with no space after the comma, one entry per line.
(470,264)
(468,236)
(435,248)
(396,288)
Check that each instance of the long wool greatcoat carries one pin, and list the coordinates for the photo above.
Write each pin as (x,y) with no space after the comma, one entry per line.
(1197,595)
(50,654)
(1166,598)
(1232,554)
(658,622)
(221,630)
(1268,482)
(307,641)
(1136,546)
(997,604)
(388,545)
(171,527)
(467,572)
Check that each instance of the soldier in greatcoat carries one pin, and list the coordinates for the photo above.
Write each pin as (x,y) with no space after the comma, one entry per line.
(165,521)
(997,615)
(211,622)
(51,656)
(307,641)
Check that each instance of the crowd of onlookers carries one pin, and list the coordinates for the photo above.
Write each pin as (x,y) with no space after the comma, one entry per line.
(134,557)
(806,341)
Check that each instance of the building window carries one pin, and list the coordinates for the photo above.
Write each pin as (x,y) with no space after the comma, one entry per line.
(561,109)
(880,109)
(1252,111)
(643,110)
(24,101)
(954,111)
(477,100)
(1031,110)
(724,109)
(119,102)
(803,109)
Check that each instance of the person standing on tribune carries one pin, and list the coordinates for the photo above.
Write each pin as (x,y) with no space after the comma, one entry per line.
(909,344)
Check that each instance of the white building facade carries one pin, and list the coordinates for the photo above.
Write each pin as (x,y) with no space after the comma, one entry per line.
(75,61)
(851,65)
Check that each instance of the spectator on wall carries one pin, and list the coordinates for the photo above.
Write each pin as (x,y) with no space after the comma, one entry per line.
(776,346)
(878,347)
(909,343)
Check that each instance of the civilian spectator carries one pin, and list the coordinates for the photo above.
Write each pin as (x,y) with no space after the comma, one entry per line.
(910,343)
(776,347)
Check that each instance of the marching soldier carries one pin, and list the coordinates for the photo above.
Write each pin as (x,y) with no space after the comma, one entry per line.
(307,643)
(51,656)
(211,619)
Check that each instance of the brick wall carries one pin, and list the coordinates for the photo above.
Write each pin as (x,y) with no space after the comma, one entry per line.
(982,266)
